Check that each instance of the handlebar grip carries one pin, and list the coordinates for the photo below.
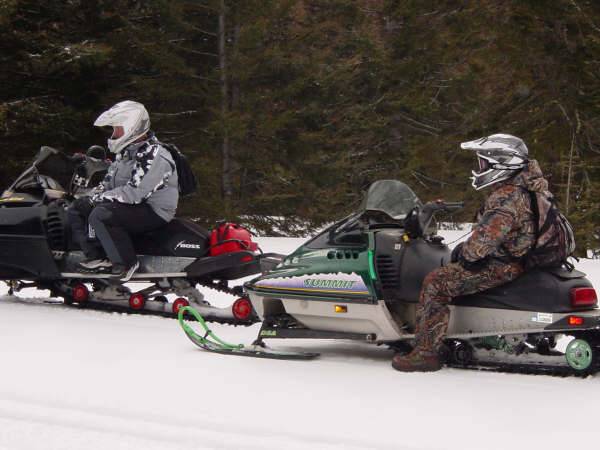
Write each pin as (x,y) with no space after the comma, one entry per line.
(454,205)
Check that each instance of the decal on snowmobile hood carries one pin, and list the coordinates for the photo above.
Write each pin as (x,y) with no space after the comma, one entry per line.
(351,283)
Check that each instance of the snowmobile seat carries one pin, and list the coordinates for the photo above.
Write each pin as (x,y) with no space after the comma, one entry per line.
(537,290)
(180,237)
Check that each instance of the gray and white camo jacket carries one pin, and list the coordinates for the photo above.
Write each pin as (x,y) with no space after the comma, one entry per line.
(144,172)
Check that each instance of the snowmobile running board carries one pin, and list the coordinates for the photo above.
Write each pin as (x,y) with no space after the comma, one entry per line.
(138,276)
(212,343)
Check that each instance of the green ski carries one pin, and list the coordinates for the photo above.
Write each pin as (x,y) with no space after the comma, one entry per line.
(212,343)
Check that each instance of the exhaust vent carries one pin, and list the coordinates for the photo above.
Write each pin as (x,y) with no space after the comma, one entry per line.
(387,272)
(55,229)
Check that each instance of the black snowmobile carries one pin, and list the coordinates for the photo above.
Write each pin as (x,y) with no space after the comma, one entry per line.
(36,249)
(360,279)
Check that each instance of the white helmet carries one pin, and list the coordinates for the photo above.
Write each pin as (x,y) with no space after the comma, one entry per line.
(500,157)
(129,121)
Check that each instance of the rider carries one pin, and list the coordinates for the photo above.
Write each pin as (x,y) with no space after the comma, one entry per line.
(493,255)
(139,193)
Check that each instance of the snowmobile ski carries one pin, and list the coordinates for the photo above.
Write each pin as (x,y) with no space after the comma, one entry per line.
(212,343)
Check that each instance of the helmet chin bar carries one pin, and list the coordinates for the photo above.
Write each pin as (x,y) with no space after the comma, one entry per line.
(118,145)
(501,175)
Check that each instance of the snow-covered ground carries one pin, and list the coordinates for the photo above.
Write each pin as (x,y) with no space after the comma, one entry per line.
(85,380)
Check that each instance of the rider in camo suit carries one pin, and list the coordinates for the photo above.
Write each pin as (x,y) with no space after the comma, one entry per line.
(492,256)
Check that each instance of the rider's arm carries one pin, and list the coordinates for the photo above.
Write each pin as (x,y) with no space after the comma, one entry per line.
(497,220)
(151,172)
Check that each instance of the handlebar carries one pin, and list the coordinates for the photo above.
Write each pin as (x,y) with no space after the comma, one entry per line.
(454,205)
(424,216)
(440,205)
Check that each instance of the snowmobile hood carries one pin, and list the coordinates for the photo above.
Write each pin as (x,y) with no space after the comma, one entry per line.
(530,178)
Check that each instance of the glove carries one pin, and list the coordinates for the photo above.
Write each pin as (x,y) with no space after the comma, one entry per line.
(473,266)
(456,255)
(78,157)
(83,205)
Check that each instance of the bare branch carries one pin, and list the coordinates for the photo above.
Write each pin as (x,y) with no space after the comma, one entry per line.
(200,30)
(195,52)
(182,113)
(26,99)
(199,77)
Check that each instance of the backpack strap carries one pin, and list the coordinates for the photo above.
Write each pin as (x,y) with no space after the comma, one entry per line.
(535,209)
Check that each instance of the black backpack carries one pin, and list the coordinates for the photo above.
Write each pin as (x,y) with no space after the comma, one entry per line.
(187,180)
(555,240)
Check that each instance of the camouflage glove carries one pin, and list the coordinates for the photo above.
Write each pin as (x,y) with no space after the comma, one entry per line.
(456,255)
(473,266)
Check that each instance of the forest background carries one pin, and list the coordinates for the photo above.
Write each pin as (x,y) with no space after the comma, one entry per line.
(288,109)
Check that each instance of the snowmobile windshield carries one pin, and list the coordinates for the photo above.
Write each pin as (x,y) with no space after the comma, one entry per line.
(392,197)
(51,169)
(56,166)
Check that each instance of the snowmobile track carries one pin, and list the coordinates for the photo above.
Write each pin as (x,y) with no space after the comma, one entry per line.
(107,308)
(526,369)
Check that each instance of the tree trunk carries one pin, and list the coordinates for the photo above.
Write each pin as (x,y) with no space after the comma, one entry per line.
(235,99)
(226,182)
(570,169)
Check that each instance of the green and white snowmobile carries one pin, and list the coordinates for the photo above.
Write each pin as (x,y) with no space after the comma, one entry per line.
(360,279)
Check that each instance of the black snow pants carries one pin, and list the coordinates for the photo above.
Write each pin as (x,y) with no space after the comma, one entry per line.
(78,222)
(114,224)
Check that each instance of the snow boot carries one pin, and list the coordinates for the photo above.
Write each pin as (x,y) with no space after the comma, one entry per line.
(95,264)
(124,273)
(417,361)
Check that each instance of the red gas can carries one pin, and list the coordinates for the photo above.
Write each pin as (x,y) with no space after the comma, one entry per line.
(230,238)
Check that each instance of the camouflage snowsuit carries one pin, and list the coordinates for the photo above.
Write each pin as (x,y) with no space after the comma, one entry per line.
(504,233)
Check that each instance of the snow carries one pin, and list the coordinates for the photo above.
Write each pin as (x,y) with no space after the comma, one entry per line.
(76,379)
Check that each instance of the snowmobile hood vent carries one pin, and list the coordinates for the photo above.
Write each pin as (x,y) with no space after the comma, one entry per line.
(387,271)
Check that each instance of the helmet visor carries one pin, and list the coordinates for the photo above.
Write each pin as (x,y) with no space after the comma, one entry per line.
(482,165)
(118,132)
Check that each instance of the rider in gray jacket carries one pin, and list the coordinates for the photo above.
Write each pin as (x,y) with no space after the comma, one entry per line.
(139,193)
(142,172)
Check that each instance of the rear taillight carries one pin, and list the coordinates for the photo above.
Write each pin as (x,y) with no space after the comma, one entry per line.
(583,297)
(242,308)
(575,321)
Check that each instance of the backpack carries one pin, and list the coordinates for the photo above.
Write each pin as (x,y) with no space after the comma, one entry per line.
(555,240)
(185,175)
(229,238)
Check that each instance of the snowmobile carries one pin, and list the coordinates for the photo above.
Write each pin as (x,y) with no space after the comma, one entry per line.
(36,249)
(360,279)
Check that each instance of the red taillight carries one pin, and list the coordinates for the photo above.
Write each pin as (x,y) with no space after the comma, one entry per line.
(137,301)
(583,297)
(80,293)
(179,303)
(242,308)
(247,258)
(575,320)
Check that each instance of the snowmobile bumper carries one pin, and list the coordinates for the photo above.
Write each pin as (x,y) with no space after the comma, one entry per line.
(26,257)
(231,266)
(576,321)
